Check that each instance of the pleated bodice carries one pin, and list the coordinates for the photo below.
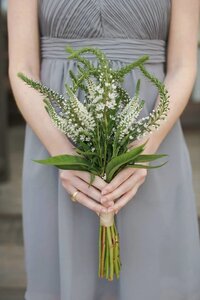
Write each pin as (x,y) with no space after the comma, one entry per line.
(138,19)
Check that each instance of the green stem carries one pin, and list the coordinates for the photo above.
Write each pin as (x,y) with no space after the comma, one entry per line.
(98,145)
(107,259)
(117,248)
(111,253)
(116,269)
(105,154)
(103,251)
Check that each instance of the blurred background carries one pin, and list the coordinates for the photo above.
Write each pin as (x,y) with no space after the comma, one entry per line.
(12,272)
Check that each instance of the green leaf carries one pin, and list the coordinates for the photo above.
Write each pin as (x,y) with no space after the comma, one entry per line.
(73,167)
(137,89)
(122,160)
(149,157)
(65,160)
(88,153)
(126,69)
(92,178)
(141,166)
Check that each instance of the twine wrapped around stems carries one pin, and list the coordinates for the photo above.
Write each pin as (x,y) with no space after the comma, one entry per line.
(107,219)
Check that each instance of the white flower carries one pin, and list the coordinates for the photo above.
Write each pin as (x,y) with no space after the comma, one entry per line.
(99,116)
(100,107)
(112,95)
(82,137)
(104,177)
(128,116)
(84,117)
(111,104)
(100,91)
(112,117)
(97,98)
(113,84)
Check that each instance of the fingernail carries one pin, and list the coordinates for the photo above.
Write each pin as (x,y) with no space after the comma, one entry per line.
(116,212)
(103,200)
(103,192)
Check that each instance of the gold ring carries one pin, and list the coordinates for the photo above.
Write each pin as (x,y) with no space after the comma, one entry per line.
(73,196)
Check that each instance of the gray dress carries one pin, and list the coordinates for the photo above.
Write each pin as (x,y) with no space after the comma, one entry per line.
(158,229)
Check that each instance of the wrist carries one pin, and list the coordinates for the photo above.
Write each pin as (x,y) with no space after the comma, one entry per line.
(151,146)
(62,149)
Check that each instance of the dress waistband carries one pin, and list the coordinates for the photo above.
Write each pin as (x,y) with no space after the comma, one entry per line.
(126,50)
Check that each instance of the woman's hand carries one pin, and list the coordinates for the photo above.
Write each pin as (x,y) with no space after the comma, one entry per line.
(126,183)
(122,188)
(88,196)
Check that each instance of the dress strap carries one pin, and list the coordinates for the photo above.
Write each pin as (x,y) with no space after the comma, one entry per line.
(125,50)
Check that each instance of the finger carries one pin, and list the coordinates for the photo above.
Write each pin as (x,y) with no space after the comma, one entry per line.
(98,182)
(91,191)
(108,204)
(86,201)
(121,202)
(89,203)
(127,185)
(79,184)
(68,185)
(117,180)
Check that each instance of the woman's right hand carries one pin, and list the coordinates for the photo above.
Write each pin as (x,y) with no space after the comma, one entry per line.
(89,196)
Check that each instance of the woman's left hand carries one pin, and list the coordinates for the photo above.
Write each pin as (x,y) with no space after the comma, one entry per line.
(122,188)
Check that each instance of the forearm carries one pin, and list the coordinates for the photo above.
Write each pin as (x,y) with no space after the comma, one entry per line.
(31,106)
(179,84)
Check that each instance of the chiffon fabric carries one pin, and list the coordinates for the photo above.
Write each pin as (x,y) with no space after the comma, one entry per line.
(159,238)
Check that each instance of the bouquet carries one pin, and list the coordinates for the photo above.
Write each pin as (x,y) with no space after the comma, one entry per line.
(102,127)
